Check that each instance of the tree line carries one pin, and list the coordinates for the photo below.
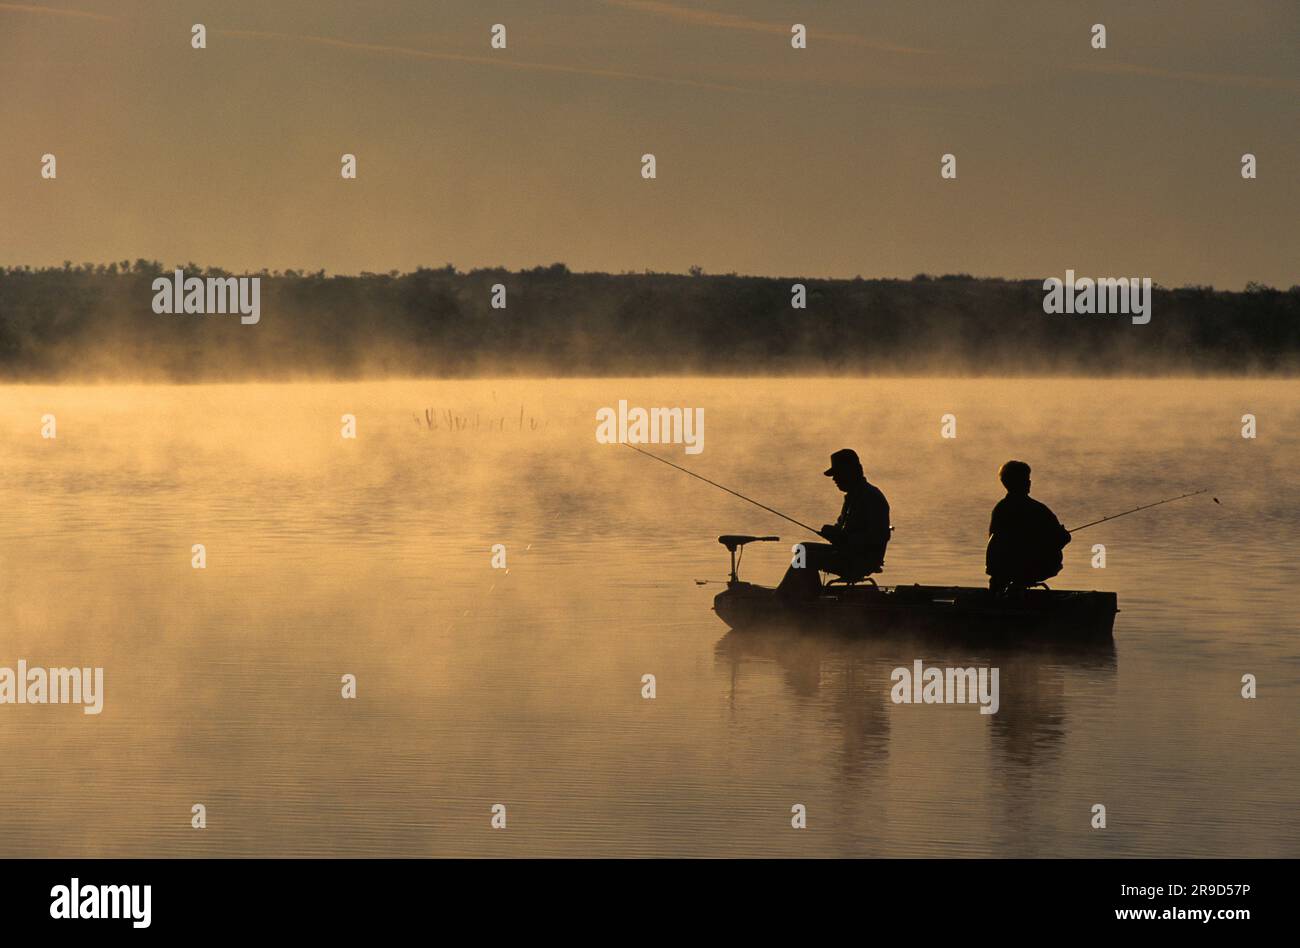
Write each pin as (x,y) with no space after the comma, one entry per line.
(95,321)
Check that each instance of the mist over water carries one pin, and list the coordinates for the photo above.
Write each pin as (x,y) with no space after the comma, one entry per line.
(127,323)
(372,557)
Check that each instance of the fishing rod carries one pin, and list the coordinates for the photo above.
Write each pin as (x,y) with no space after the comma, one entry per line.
(720,487)
(1145,507)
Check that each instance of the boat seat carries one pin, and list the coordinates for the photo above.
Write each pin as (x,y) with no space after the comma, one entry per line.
(852,579)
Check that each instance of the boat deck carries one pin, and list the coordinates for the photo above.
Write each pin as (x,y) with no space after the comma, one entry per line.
(957,611)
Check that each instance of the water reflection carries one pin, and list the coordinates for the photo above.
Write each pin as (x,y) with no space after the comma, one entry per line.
(476,685)
(847,678)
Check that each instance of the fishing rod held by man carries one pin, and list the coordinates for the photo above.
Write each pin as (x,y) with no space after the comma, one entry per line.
(721,487)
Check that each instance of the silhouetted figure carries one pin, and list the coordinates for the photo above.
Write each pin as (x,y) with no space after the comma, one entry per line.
(857,539)
(1025,538)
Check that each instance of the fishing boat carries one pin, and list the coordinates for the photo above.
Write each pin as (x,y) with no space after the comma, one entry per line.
(861,606)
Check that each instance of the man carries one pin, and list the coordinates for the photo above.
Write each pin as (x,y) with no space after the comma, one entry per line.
(1025,538)
(857,539)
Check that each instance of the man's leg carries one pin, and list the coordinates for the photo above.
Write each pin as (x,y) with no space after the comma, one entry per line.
(802,582)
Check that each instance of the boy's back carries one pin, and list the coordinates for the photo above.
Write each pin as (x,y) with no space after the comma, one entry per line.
(1025,541)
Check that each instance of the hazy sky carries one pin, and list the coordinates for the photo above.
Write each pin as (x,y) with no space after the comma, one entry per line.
(818,162)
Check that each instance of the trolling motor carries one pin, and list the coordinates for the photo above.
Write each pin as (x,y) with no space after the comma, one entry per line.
(733,542)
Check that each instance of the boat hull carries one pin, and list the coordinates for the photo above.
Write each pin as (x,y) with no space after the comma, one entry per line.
(953,612)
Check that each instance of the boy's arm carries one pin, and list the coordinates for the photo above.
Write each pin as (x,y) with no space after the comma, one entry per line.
(1062,535)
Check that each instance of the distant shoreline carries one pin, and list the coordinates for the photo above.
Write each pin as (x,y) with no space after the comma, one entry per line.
(125,382)
(95,323)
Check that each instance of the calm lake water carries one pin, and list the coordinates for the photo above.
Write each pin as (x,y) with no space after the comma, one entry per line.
(478,686)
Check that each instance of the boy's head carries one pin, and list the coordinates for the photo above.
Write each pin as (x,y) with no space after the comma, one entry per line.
(1014,476)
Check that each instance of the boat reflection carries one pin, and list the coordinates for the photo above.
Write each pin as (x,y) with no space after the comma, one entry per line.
(846,680)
